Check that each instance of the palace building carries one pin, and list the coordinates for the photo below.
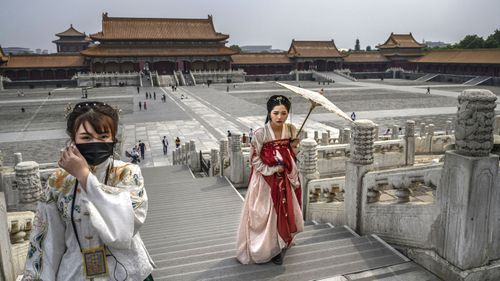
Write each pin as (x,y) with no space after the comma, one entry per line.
(71,41)
(175,46)
(158,44)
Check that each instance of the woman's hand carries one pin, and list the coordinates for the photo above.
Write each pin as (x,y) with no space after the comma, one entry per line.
(281,169)
(74,163)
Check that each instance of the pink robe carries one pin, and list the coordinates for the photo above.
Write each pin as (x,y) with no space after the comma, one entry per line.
(272,212)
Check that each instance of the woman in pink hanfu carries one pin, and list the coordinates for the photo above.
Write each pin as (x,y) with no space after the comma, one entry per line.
(272,213)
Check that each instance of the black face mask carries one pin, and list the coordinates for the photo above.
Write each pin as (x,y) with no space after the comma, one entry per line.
(96,152)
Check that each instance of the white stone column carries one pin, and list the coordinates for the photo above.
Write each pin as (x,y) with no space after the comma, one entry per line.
(324,138)
(422,130)
(468,195)
(307,168)
(346,136)
(28,185)
(395,132)
(222,154)
(357,166)
(213,161)
(410,143)
(430,135)
(18,158)
(236,175)
(194,156)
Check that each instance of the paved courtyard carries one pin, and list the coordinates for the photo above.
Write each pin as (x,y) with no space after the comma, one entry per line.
(207,113)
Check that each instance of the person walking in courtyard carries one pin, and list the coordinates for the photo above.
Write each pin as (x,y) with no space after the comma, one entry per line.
(164,141)
(244,138)
(177,142)
(250,135)
(154,95)
(353,116)
(145,106)
(428,90)
(140,105)
(272,212)
(87,224)
(228,133)
(142,147)
(146,93)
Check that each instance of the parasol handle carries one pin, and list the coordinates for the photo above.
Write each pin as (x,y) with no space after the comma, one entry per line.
(313,105)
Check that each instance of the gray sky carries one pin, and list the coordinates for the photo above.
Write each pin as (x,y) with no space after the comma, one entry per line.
(33,23)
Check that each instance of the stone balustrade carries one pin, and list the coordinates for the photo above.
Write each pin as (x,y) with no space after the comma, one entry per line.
(19,225)
(399,184)
(326,200)
(387,154)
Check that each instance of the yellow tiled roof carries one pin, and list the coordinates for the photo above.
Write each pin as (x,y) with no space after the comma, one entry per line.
(45,61)
(261,58)
(313,49)
(157,29)
(477,56)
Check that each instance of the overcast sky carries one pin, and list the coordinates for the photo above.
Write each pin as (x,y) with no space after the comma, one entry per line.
(33,23)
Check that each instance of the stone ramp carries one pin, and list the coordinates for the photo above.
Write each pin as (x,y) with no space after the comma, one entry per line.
(191,233)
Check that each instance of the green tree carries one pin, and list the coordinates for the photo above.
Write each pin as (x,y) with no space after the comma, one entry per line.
(235,48)
(471,42)
(493,41)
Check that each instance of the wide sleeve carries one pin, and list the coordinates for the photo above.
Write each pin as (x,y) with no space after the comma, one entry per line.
(117,212)
(47,243)
(256,147)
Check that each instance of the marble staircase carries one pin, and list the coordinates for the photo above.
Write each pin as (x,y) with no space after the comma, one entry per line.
(191,233)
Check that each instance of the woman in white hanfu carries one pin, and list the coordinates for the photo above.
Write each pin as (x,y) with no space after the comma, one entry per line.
(86,227)
(272,213)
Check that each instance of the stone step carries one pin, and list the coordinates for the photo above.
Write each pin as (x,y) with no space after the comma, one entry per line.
(352,255)
(229,243)
(161,240)
(191,235)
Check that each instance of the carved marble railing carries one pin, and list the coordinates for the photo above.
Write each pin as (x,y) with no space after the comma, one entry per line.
(399,205)
(19,225)
(387,154)
(325,201)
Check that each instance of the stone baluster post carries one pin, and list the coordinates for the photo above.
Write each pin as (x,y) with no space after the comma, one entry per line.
(357,166)
(183,153)
(341,136)
(329,134)
(346,137)
(18,158)
(423,130)
(194,156)
(395,132)
(308,169)
(449,127)
(468,195)
(213,161)
(316,135)
(223,154)
(236,175)
(430,135)
(28,185)
(377,132)
(324,138)
(410,143)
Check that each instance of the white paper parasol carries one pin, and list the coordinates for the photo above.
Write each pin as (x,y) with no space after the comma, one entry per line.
(316,99)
